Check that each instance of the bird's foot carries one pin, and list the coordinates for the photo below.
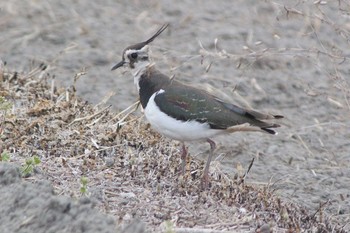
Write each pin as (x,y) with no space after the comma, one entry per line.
(184,159)
(205,177)
(204,182)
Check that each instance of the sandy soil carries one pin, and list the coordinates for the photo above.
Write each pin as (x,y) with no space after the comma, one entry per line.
(35,208)
(282,57)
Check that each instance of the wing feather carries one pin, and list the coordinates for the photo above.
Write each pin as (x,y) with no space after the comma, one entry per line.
(186,103)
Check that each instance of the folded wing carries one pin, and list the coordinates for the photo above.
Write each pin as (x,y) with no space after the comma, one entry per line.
(186,103)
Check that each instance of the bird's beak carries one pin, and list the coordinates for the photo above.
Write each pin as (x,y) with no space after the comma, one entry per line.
(120,64)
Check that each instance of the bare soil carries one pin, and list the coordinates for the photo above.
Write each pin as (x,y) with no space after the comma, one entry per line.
(277,56)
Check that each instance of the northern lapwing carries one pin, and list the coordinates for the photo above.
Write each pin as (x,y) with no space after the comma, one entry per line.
(183,112)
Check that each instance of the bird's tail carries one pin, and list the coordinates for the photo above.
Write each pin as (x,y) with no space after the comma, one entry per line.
(262,126)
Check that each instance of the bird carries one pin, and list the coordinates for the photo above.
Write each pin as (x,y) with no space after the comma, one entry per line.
(185,113)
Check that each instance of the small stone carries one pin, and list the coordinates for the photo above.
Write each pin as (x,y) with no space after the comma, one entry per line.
(109,162)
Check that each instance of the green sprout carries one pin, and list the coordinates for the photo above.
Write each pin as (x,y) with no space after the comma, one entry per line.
(169,227)
(83,185)
(30,164)
(5,156)
(4,104)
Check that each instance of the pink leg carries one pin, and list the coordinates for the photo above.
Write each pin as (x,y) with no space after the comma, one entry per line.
(184,158)
(205,178)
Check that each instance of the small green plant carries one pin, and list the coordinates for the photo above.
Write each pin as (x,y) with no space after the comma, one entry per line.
(5,156)
(169,227)
(30,164)
(83,185)
(4,104)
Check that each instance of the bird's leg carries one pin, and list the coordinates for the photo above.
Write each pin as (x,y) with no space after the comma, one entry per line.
(205,177)
(184,158)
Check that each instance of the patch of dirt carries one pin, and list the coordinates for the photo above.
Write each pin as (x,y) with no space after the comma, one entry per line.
(33,207)
(283,57)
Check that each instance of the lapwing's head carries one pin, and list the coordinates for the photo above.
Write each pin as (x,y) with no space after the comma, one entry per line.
(136,56)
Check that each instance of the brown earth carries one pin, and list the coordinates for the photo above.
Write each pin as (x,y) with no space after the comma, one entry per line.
(282,57)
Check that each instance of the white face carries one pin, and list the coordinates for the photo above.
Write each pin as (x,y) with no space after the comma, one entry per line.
(138,61)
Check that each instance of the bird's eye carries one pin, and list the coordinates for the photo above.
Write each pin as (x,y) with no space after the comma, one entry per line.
(133,55)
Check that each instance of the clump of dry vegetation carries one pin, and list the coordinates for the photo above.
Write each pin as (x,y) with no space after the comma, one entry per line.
(130,170)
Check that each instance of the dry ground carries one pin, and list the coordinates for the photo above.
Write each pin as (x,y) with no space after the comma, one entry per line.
(290,58)
(131,173)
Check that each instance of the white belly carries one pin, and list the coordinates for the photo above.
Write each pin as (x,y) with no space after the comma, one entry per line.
(176,129)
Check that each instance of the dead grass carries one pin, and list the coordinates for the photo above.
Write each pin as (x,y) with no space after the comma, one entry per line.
(132,172)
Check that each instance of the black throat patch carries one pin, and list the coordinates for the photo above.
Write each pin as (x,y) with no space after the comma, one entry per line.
(149,83)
